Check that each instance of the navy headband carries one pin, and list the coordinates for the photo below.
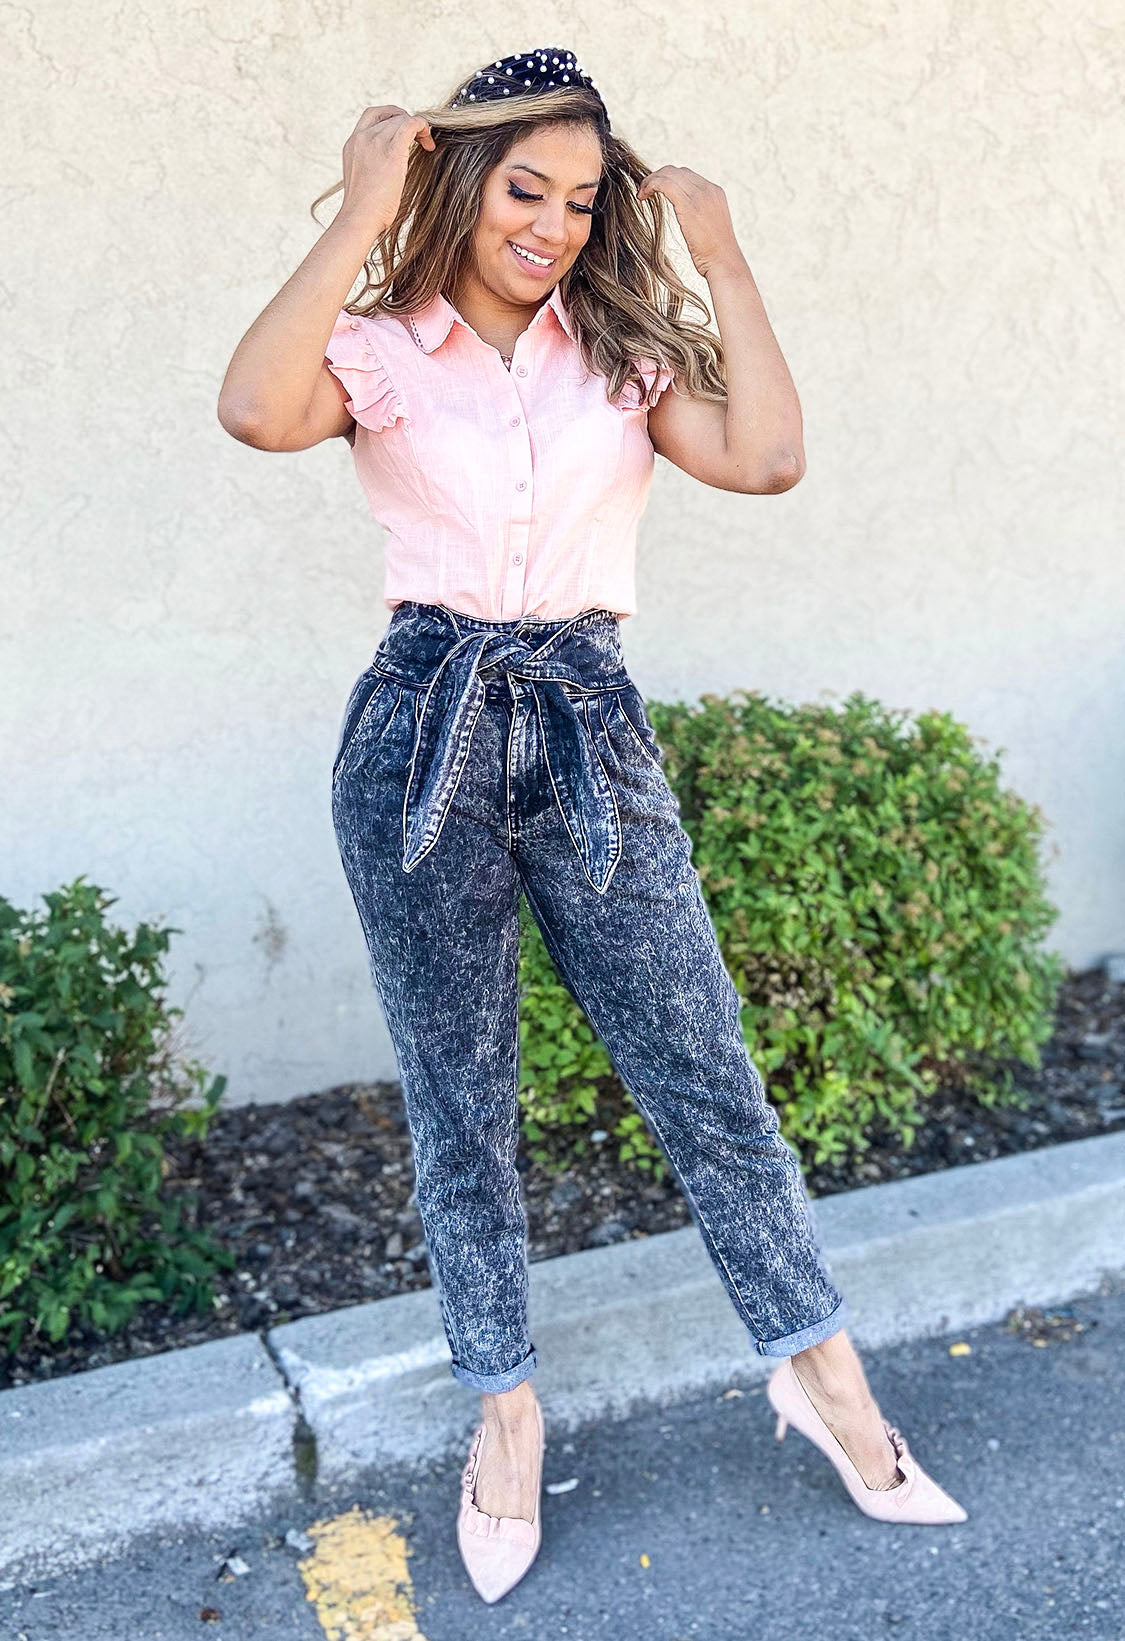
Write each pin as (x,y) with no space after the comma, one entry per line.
(545,69)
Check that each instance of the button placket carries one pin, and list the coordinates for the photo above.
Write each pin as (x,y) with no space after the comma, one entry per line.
(519,519)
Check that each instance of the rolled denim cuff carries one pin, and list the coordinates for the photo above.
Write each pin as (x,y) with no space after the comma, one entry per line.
(493,1382)
(790,1343)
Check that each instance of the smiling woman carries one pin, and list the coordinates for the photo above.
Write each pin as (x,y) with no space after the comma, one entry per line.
(515,359)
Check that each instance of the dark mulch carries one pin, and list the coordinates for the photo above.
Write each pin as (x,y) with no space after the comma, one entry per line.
(315,1195)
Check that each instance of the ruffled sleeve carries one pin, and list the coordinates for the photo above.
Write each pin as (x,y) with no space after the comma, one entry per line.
(351,356)
(656,378)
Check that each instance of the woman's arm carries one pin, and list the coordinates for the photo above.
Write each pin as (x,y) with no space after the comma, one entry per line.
(753,443)
(278,393)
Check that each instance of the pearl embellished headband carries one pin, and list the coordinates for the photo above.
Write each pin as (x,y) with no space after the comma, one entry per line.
(526,71)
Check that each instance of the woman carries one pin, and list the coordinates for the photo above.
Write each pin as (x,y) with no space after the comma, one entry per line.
(504,391)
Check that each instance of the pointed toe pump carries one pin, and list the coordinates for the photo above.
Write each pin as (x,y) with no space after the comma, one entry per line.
(496,1550)
(917,1498)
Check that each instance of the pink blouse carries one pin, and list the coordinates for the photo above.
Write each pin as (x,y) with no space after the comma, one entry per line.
(503,493)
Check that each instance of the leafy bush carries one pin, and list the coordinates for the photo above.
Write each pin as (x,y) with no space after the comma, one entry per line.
(568,1087)
(879,902)
(90,1085)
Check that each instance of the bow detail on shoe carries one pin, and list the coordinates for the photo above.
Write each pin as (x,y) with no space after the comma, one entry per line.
(516,1529)
(905,1461)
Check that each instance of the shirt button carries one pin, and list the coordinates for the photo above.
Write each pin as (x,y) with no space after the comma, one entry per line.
(515,422)
(355,324)
(517,558)
(521,370)
(522,485)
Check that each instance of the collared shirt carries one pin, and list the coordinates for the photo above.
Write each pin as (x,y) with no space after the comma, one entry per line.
(503,493)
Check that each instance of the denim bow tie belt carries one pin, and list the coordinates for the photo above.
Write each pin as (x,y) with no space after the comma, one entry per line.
(452,704)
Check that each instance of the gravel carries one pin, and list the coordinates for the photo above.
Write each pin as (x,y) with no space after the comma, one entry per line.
(314,1196)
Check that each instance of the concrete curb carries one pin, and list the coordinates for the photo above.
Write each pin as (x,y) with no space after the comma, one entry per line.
(90,1461)
(214,1434)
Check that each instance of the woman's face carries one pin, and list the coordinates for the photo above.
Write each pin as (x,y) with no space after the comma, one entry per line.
(546,213)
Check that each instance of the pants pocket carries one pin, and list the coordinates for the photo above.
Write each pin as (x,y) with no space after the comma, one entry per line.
(369,688)
(631,706)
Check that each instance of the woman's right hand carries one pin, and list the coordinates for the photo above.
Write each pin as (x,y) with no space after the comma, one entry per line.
(278,392)
(375,159)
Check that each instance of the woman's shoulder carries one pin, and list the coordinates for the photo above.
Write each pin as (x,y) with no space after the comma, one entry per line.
(372,330)
(365,351)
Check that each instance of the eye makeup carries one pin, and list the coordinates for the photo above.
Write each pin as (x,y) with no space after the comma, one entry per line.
(517,192)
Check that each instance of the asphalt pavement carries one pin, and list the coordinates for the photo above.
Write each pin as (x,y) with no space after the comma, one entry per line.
(688,1522)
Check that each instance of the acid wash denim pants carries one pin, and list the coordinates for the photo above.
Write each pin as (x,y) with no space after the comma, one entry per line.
(478,759)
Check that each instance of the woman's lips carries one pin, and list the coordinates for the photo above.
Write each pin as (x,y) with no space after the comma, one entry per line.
(532,267)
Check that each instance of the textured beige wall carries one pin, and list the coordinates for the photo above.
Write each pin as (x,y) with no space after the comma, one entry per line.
(927,198)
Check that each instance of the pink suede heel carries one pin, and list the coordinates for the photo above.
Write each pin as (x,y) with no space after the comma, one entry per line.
(917,1499)
(496,1550)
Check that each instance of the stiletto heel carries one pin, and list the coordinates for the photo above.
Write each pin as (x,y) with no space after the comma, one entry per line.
(496,1550)
(917,1498)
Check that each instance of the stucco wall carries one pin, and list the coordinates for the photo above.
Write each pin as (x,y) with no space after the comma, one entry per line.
(927,199)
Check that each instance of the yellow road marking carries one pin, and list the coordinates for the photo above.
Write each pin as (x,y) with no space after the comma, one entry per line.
(357,1578)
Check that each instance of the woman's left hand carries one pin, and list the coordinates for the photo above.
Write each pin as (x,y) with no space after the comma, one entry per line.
(701,211)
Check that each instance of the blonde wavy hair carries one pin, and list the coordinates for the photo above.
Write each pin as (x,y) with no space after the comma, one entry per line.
(622,292)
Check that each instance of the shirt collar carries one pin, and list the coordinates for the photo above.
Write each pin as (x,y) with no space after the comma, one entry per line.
(432,323)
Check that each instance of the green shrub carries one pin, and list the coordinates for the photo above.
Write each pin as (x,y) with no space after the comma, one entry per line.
(879,901)
(89,1087)
(568,1087)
